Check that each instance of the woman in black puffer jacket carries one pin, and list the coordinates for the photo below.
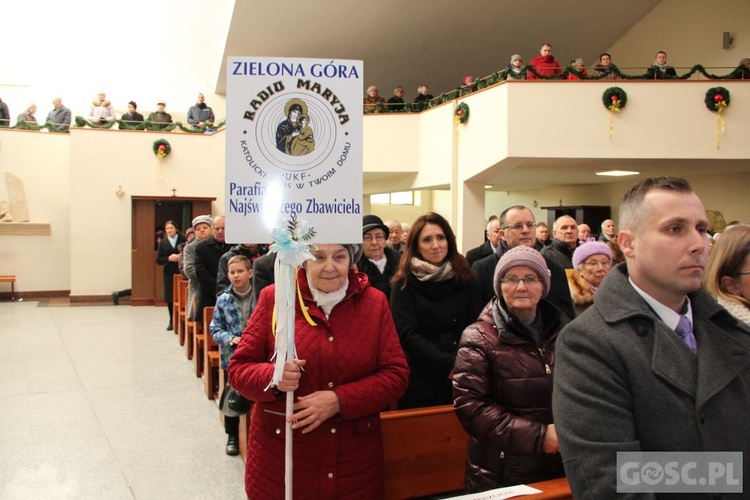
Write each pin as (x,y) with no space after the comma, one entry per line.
(502,379)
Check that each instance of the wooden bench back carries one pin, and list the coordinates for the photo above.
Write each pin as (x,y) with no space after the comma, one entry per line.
(208,314)
(425,452)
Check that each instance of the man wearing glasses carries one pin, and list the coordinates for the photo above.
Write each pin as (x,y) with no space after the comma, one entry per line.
(378,261)
(518,227)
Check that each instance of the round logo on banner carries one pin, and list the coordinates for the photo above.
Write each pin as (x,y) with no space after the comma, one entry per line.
(295,131)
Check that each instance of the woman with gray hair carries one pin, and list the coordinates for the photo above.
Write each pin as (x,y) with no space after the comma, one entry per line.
(591,263)
(502,379)
(353,368)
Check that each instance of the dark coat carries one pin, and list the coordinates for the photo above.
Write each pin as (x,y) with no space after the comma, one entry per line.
(354,352)
(480,252)
(429,317)
(502,389)
(222,280)
(263,274)
(559,294)
(656,73)
(560,253)
(207,255)
(378,280)
(170,268)
(626,382)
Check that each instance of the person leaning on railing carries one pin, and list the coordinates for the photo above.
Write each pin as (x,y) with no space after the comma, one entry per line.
(160,119)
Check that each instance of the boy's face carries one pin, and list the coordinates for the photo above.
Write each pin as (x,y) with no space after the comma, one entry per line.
(240,276)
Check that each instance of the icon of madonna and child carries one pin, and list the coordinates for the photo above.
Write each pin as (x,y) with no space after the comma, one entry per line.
(294,136)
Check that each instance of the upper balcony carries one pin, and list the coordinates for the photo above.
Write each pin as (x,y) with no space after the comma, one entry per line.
(525,135)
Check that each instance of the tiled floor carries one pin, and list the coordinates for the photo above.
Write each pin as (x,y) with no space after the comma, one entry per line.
(99,402)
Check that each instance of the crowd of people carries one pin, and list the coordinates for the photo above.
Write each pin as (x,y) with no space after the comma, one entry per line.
(543,341)
(542,66)
(101,113)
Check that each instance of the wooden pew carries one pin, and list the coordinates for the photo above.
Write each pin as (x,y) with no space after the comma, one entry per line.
(553,489)
(425,452)
(189,338)
(176,278)
(211,361)
(182,318)
(10,278)
(199,344)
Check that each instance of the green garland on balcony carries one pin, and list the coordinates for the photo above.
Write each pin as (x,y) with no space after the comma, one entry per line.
(151,126)
(35,126)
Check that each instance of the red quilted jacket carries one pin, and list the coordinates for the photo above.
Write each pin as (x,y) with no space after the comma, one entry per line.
(356,353)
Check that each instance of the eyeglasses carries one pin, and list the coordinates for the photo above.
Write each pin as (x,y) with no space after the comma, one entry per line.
(377,237)
(529,279)
(520,225)
(593,264)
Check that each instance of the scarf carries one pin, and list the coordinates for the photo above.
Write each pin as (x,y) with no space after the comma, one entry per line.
(245,300)
(327,300)
(380,264)
(424,271)
(739,311)
(532,327)
(172,240)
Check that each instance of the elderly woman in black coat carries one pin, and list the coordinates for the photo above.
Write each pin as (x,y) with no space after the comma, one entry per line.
(502,379)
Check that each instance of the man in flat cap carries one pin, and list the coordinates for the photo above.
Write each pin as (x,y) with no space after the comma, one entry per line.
(160,119)
(203,227)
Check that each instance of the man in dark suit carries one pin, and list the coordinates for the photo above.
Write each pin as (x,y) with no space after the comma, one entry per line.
(207,256)
(490,245)
(518,227)
(655,364)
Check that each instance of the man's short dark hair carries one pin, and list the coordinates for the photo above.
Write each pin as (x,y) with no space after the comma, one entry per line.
(132,103)
(632,209)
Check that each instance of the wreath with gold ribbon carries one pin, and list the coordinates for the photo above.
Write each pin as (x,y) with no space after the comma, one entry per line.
(461,115)
(161,148)
(717,99)
(614,99)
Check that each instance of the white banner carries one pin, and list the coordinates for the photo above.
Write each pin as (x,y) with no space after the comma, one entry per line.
(294,147)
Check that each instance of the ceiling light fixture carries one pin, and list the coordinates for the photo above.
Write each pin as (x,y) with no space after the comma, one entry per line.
(488,186)
(617,173)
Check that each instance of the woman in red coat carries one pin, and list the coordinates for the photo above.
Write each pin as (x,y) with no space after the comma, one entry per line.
(353,368)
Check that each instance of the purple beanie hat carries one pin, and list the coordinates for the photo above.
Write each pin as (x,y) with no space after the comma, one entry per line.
(588,249)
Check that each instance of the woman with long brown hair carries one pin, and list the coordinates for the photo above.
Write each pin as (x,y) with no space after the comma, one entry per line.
(728,272)
(434,296)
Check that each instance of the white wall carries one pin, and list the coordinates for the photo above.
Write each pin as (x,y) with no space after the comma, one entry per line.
(42,161)
(140,50)
(690,31)
(103,160)
(718,192)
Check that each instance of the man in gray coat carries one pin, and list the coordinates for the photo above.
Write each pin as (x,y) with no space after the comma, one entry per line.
(625,379)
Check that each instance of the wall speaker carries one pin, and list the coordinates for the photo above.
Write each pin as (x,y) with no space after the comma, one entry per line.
(728,40)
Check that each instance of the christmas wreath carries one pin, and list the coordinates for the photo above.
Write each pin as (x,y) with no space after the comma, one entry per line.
(161,148)
(614,99)
(717,98)
(461,115)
